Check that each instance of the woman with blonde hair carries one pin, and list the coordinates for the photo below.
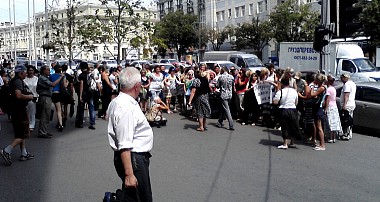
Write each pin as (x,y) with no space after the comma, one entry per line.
(331,110)
(319,116)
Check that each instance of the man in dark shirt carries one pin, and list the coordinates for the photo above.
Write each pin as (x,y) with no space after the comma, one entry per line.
(85,96)
(44,90)
(20,95)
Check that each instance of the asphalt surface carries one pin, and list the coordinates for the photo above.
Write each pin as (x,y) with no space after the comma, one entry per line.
(217,165)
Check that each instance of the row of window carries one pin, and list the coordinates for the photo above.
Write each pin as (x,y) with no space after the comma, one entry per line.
(240,11)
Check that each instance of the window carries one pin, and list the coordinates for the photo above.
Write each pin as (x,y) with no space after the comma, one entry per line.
(236,12)
(229,13)
(240,63)
(250,9)
(217,16)
(260,7)
(242,9)
(115,48)
(348,66)
(371,95)
(222,14)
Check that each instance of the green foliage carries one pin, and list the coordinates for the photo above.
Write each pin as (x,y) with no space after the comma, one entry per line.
(255,35)
(291,22)
(118,23)
(370,19)
(177,30)
(217,37)
(64,35)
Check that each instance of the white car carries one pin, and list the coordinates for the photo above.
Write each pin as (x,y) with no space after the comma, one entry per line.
(212,64)
(110,63)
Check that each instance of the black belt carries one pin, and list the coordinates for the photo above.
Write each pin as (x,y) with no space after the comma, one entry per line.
(146,154)
(45,95)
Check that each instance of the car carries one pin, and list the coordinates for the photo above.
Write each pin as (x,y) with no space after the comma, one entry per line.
(110,63)
(139,63)
(167,66)
(212,64)
(367,109)
(73,65)
(171,61)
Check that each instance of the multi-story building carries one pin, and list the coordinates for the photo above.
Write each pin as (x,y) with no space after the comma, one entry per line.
(16,38)
(217,14)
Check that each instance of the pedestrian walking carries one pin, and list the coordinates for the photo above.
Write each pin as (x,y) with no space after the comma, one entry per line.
(225,84)
(20,96)
(85,97)
(131,138)
(200,90)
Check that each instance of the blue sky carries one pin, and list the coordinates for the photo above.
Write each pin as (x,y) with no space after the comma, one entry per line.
(21,7)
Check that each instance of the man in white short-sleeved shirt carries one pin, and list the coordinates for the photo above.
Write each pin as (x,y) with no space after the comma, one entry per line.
(347,97)
(131,137)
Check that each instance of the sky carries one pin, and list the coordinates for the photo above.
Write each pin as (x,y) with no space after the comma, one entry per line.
(21,8)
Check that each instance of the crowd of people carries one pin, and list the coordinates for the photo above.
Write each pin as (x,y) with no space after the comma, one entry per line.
(127,96)
(301,108)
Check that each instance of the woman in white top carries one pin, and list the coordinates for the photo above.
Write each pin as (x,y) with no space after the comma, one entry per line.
(287,98)
(114,82)
(156,82)
(31,82)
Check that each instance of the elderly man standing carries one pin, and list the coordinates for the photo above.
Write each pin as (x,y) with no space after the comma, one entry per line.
(20,96)
(225,83)
(44,90)
(347,98)
(131,138)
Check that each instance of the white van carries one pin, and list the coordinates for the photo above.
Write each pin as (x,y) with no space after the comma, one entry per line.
(241,59)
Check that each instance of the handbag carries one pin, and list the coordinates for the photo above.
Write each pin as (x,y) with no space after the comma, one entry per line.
(65,93)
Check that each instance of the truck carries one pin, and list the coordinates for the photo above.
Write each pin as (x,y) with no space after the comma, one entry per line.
(241,59)
(338,58)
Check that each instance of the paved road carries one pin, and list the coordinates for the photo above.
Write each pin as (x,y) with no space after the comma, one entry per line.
(217,166)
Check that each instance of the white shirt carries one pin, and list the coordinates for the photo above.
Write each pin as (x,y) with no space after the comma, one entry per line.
(127,125)
(348,87)
(289,98)
(32,84)
(97,76)
(112,81)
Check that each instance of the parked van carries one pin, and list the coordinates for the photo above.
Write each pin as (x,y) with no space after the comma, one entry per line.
(248,61)
(243,60)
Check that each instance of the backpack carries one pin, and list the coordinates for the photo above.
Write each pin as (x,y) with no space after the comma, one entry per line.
(91,83)
(153,114)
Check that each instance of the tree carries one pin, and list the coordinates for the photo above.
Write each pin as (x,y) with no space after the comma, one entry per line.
(65,30)
(217,37)
(254,35)
(119,24)
(178,31)
(293,22)
(370,19)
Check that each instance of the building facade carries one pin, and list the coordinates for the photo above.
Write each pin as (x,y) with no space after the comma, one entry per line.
(16,40)
(218,14)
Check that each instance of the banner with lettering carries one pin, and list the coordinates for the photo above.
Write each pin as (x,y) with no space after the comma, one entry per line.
(263,93)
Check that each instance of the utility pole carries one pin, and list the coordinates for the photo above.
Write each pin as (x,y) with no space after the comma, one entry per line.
(14,31)
(30,36)
(34,34)
(47,33)
(10,30)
